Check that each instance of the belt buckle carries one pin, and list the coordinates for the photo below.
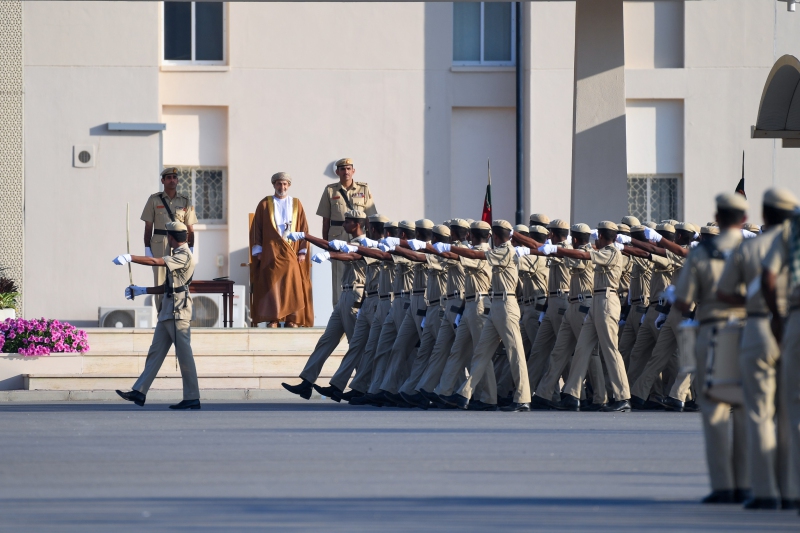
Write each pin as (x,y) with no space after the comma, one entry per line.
(661,301)
(580,297)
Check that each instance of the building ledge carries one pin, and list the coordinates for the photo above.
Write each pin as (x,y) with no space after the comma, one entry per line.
(195,68)
(480,68)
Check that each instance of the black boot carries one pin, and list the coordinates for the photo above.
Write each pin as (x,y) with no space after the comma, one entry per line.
(330,391)
(416,400)
(477,405)
(787,504)
(691,406)
(303,389)
(349,395)
(186,404)
(516,407)
(456,400)
(540,404)
(133,396)
(762,503)
(621,406)
(719,496)
(672,404)
(568,403)
(436,402)
(742,495)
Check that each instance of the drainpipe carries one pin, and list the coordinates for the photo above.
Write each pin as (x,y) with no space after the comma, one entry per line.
(520,215)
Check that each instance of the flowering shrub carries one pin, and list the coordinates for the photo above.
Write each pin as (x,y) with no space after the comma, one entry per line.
(40,337)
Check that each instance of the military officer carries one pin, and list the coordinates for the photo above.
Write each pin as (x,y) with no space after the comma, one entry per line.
(534,273)
(338,198)
(161,208)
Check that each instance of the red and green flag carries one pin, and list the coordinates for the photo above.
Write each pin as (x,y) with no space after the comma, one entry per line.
(486,216)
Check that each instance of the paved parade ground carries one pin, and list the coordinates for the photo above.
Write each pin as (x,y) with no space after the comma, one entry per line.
(320,466)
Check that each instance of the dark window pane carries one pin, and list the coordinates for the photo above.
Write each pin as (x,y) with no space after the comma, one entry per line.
(178,30)
(467,31)
(208,31)
(497,31)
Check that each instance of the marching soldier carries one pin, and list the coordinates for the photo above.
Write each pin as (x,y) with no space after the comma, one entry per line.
(337,199)
(161,208)
(534,273)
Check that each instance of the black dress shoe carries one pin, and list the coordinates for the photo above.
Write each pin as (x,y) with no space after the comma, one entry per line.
(437,403)
(637,404)
(787,504)
(349,395)
(396,399)
(719,496)
(742,495)
(364,399)
(594,407)
(456,399)
(133,396)
(691,407)
(621,406)
(186,404)
(477,405)
(672,404)
(540,404)
(568,403)
(303,389)
(330,391)
(762,503)
(416,400)
(508,400)
(516,407)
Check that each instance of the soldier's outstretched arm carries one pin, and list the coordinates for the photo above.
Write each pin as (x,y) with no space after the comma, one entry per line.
(374,253)
(522,240)
(676,249)
(342,256)
(124,259)
(636,252)
(447,255)
(320,243)
(409,254)
(469,254)
(572,253)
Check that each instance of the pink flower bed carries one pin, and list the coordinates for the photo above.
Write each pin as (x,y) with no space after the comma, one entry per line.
(41,337)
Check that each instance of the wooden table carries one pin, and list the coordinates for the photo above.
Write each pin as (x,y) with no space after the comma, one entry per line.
(224,287)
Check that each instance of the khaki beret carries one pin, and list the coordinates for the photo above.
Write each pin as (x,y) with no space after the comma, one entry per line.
(480,224)
(344,162)
(607,224)
(709,230)
(447,222)
(169,170)
(281,176)
(650,224)
(666,227)
(670,221)
(630,221)
(407,224)
(470,221)
(379,218)
(539,219)
(423,223)
(355,214)
(459,223)
(442,230)
(557,223)
(390,224)
(638,227)
(780,199)
(176,226)
(505,224)
(581,228)
(731,200)
(749,226)
(684,226)
(713,223)
(521,228)
(538,229)
(624,227)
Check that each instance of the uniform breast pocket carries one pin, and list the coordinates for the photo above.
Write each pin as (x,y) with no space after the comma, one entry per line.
(180,215)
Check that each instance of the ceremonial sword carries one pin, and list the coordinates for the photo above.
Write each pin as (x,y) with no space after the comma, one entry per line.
(128,231)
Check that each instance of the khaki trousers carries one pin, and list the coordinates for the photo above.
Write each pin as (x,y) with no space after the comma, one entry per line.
(363,376)
(337,267)
(441,348)
(529,325)
(160,248)
(163,339)
(358,341)
(503,372)
(645,343)
(341,322)
(501,325)
(630,330)
(664,353)
(383,350)
(403,351)
(789,390)
(468,334)
(539,357)
(566,341)
(433,321)
(601,326)
(726,456)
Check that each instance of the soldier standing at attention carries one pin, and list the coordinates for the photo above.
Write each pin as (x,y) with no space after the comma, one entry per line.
(161,208)
(338,198)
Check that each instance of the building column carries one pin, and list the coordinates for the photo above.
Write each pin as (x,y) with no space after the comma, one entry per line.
(599,159)
(11,143)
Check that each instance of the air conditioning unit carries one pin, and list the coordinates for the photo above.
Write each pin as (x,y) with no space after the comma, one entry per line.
(127,317)
(207,309)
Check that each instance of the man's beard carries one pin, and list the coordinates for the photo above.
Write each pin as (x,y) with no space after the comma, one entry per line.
(282,194)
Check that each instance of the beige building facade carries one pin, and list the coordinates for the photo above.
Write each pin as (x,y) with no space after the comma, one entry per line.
(644,106)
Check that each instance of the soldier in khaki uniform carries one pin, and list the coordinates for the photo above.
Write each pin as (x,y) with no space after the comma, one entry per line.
(174,318)
(161,208)
(338,198)
(727,460)
(638,298)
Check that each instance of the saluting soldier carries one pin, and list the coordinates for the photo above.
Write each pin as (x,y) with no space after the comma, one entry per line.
(337,199)
(161,208)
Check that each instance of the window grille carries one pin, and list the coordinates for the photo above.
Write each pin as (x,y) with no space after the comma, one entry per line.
(654,197)
(206,187)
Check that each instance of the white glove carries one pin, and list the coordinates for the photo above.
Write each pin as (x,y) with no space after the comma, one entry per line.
(754,287)
(383,247)
(123,259)
(660,319)
(696,235)
(593,235)
(641,320)
(134,290)
(548,241)
(621,322)
(748,234)
(522,251)
(548,249)
(321,257)
(337,244)
(457,320)
(417,245)
(693,244)
(441,247)
(148,252)
(652,235)
(619,246)
(391,241)
(541,317)
(368,242)
(669,294)
(296,236)
(623,239)
(191,249)
(349,248)
(422,324)
(257,249)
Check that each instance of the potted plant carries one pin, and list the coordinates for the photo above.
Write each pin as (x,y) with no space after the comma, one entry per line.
(8,297)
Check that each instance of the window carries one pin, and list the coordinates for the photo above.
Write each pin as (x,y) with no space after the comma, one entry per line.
(483,33)
(206,188)
(654,196)
(194,33)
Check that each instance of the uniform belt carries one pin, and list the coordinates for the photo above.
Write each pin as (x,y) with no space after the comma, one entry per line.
(337,223)
(180,288)
(638,300)
(603,291)
(351,287)
(418,291)
(474,297)
(372,293)
(386,296)
(431,303)
(159,232)
(457,295)
(757,315)
(498,295)
(404,293)
(533,300)
(580,298)
(559,292)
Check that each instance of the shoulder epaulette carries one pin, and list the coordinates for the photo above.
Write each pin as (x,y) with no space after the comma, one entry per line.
(362,183)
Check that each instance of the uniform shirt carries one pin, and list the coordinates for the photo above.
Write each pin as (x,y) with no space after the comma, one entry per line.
(155,212)
(332,205)
(373,274)
(625,278)
(581,273)
(742,273)
(533,274)
(608,266)
(403,275)
(700,276)
(420,276)
(180,268)
(355,272)
(479,273)
(505,275)
(437,277)
(385,277)
(456,276)
(641,274)
(558,279)
(677,262)
(662,276)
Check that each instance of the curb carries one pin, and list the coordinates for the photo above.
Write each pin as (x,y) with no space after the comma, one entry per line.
(153,395)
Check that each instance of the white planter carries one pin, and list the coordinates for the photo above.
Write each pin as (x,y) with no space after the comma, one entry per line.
(7,313)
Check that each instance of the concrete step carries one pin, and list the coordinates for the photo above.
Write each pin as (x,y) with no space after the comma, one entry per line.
(165,380)
(168,395)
